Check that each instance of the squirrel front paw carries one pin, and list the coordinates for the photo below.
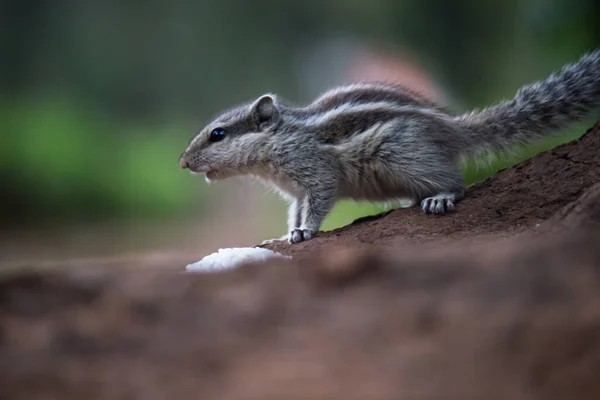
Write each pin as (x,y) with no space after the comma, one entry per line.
(299,235)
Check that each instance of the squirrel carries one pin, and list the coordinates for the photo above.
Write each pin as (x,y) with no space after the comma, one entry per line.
(379,141)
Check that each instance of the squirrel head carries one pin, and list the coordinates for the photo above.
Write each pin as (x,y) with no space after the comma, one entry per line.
(226,145)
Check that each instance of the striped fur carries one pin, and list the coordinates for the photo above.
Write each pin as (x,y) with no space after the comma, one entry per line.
(369,92)
(380,142)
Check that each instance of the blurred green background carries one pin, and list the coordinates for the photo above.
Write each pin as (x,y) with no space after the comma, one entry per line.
(99,98)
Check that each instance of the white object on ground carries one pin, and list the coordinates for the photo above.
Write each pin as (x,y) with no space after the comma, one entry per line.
(232,258)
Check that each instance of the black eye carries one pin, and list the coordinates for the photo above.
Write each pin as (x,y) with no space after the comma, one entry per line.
(217,135)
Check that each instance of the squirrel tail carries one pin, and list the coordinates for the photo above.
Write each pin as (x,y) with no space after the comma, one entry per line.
(538,110)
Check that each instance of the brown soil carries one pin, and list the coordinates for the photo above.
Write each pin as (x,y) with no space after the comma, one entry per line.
(514,200)
(514,316)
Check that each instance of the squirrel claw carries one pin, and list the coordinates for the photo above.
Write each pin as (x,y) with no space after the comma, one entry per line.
(440,204)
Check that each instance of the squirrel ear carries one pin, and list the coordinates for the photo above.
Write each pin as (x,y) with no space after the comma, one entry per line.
(265,112)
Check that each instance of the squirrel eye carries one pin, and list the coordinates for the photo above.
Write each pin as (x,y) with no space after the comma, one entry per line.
(217,135)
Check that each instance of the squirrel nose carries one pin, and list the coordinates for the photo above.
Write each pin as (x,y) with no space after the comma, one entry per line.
(183,163)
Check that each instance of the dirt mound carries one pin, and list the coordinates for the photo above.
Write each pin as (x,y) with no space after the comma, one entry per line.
(512,201)
(516,318)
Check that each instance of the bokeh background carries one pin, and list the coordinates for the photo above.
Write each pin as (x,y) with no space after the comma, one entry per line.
(99,98)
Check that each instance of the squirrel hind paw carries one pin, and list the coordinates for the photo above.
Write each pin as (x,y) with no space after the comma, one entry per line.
(440,204)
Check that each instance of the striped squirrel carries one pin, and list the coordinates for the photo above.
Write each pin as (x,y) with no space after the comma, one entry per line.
(379,142)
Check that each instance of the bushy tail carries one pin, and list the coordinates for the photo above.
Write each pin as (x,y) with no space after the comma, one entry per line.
(539,109)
